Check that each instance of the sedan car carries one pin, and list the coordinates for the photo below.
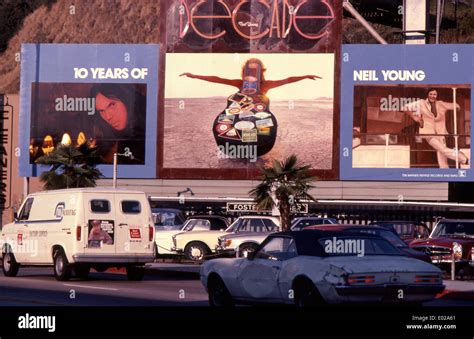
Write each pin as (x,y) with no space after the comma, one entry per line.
(450,238)
(406,230)
(388,234)
(164,239)
(305,268)
(197,246)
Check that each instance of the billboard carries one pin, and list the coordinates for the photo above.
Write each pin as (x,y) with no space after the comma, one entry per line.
(246,83)
(406,113)
(105,95)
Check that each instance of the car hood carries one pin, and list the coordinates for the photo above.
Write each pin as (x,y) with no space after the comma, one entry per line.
(381,263)
(442,241)
(412,253)
(166,234)
(206,233)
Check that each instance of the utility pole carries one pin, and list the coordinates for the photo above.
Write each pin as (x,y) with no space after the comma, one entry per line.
(126,154)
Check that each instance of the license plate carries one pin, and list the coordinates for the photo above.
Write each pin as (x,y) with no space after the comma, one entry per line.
(394,292)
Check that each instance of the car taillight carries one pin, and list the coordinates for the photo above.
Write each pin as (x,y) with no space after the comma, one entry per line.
(360,279)
(150,233)
(472,254)
(78,232)
(428,278)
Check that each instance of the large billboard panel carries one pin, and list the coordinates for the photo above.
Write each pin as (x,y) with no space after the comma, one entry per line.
(246,83)
(406,113)
(102,94)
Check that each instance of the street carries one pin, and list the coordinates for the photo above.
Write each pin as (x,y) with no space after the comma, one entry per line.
(38,287)
(164,287)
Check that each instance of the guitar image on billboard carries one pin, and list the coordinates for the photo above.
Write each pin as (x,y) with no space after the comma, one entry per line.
(247,119)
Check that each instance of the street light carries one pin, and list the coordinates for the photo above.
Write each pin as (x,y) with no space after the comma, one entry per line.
(126,154)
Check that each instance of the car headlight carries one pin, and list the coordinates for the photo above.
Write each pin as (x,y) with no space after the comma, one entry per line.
(457,250)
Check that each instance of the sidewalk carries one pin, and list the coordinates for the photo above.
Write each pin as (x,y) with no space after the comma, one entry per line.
(458,289)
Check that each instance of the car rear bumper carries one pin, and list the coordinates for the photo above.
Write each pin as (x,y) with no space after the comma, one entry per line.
(389,291)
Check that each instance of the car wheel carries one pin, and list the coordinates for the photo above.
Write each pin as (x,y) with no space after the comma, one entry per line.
(82,271)
(62,269)
(196,251)
(219,295)
(246,248)
(306,294)
(135,273)
(9,265)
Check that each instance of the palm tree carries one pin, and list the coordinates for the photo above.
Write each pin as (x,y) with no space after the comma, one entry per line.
(284,184)
(71,166)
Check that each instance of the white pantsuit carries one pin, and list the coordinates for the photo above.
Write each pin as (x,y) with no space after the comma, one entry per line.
(432,124)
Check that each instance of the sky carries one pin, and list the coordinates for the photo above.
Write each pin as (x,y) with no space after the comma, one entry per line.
(229,65)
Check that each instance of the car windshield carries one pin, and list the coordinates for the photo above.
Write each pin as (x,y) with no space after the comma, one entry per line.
(302,223)
(234,226)
(357,246)
(167,219)
(390,236)
(459,228)
(196,224)
(404,229)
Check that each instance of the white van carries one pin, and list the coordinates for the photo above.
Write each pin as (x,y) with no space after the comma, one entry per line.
(79,229)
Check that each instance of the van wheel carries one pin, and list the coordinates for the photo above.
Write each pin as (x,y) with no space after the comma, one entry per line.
(135,273)
(9,265)
(82,271)
(196,251)
(62,269)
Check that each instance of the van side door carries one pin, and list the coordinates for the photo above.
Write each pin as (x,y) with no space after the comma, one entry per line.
(100,238)
(132,224)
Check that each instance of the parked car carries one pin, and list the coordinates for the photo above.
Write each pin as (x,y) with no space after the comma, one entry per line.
(297,267)
(240,244)
(198,245)
(217,222)
(450,236)
(167,218)
(164,240)
(298,224)
(406,230)
(388,234)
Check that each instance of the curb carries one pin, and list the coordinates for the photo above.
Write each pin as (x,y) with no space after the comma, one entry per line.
(456,295)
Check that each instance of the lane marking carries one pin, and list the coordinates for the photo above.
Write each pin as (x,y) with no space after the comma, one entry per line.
(93,287)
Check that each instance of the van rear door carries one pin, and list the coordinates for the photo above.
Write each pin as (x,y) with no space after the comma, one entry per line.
(100,240)
(132,224)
